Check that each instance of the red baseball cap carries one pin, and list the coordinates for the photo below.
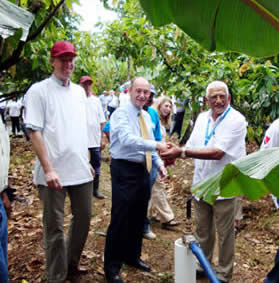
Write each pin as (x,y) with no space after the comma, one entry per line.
(85,79)
(62,47)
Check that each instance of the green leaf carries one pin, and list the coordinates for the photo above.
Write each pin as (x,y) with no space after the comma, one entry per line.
(246,26)
(254,175)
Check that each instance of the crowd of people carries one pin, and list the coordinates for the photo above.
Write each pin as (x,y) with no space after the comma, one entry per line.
(68,125)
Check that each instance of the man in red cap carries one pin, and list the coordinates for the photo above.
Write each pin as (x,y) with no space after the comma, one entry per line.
(56,118)
(95,123)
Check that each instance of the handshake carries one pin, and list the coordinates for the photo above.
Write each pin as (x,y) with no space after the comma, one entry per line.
(168,151)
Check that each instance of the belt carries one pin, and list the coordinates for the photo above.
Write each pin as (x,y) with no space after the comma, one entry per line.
(130,162)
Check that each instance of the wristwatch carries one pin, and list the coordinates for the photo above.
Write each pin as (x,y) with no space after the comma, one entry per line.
(183,153)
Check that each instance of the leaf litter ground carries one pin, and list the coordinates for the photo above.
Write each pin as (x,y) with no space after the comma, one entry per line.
(256,243)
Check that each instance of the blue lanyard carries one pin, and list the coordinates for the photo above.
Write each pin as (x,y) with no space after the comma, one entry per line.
(208,136)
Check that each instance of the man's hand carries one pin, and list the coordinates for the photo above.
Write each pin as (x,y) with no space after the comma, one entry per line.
(7,204)
(161,146)
(53,180)
(173,151)
(92,170)
(163,173)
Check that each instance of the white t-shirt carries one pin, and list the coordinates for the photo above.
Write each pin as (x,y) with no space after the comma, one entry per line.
(95,116)
(124,99)
(229,137)
(14,108)
(113,101)
(3,104)
(271,138)
(60,113)
(4,156)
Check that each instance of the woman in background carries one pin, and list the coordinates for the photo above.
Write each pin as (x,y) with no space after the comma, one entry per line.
(159,207)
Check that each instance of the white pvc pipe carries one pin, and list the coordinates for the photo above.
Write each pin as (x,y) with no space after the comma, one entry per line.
(184,263)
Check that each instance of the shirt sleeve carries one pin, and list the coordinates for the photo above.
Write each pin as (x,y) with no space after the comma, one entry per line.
(35,110)
(125,134)
(271,138)
(106,128)
(101,113)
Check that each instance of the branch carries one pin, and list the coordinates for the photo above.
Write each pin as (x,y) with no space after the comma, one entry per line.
(45,22)
(13,59)
(165,61)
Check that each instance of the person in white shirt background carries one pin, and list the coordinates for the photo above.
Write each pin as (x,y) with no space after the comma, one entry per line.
(95,123)
(113,102)
(14,110)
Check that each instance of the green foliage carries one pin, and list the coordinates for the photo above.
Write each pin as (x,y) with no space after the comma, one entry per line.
(130,46)
(222,25)
(253,175)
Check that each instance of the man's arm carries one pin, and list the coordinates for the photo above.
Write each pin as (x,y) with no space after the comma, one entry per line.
(6,203)
(209,153)
(39,147)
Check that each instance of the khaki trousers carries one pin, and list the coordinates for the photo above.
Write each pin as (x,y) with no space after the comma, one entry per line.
(219,218)
(60,253)
(158,205)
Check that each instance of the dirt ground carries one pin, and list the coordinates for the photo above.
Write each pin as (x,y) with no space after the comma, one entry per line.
(256,243)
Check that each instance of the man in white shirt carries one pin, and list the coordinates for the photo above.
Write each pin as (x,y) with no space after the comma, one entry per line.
(218,138)
(124,98)
(112,102)
(56,117)
(95,123)
(14,109)
(271,139)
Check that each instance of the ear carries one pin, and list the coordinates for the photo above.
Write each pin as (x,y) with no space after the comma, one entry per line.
(206,101)
(229,98)
(51,60)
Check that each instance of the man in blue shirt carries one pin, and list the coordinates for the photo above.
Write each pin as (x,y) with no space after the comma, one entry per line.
(130,180)
(148,234)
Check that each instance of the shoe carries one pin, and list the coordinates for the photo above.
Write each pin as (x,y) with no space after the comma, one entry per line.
(149,235)
(115,278)
(96,192)
(169,224)
(98,195)
(200,274)
(139,264)
(76,270)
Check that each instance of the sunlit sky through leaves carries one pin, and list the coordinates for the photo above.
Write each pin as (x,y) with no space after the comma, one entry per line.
(93,12)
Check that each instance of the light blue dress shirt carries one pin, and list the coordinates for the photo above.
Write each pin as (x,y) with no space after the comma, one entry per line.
(125,135)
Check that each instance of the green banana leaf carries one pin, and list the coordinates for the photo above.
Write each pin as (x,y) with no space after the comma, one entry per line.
(245,26)
(254,175)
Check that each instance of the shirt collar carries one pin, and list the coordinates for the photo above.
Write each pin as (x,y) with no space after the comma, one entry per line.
(53,77)
(134,109)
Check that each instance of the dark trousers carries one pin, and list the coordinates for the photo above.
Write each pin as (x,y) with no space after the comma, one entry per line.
(130,195)
(111,110)
(273,275)
(178,123)
(95,158)
(15,124)
(25,131)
